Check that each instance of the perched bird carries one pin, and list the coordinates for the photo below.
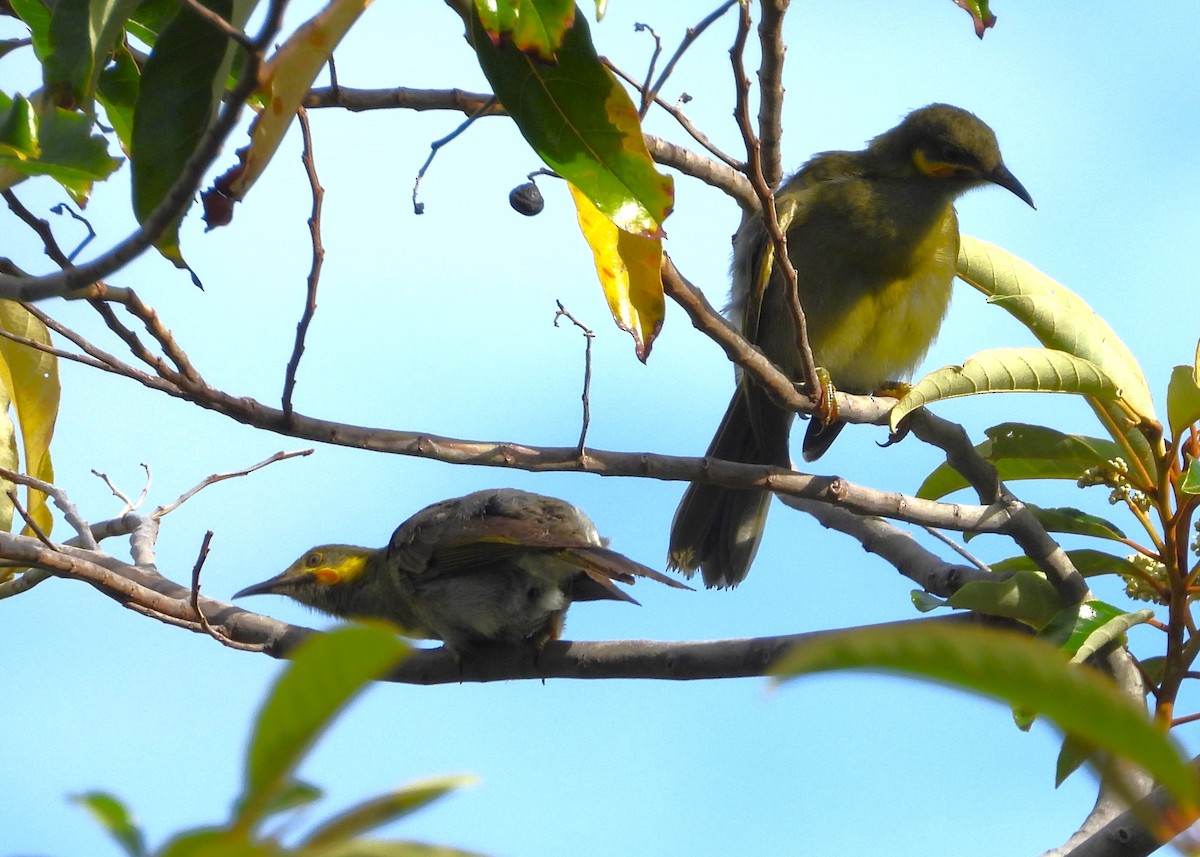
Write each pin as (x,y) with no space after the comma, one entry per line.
(873,237)
(496,566)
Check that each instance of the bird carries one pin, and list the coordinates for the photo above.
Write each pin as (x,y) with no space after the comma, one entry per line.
(499,566)
(874,238)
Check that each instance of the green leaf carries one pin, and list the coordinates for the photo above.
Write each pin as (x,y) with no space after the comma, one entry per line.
(217,842)
(1058,317)
(381,810)
(69,153)
(18,130)
(1183,400)
(376,848)
(1108,630)
(1071,756)
(31,377)
(82,34)
(117,92)
(1087,561)
(1025,673)
(181,87)
(535,26)
(36,16)
(1008,370)
(326,672)
(1061,319)
(981,15)
(925,602)
(581,122)
(116,818)
(295,794)
(1065,519)
(1022,451)
(69,65)
(1025,596)
(1191,479)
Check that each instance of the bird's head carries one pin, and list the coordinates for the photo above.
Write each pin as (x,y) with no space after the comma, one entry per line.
(326,578)
(949,145)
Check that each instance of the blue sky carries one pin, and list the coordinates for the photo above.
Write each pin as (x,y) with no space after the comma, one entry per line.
(444,323)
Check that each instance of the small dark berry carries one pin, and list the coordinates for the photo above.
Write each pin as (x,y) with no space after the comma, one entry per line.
(526,199)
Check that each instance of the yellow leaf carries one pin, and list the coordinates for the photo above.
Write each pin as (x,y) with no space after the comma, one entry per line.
(287,77)
(8,459)
(30,378)
(629,267)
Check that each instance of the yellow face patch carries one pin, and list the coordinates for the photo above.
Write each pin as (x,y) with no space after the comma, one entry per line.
(937,169)
(332,571)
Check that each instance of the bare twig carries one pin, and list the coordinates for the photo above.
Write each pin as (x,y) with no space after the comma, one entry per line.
(201,619)
(689,38)
(588,336)
(647,94)
(70,512)
(117,492)
(679,116)
(318,258)
(221,477)
(754,171)
(28,519)
(216,21)
(436,145)
(961,551)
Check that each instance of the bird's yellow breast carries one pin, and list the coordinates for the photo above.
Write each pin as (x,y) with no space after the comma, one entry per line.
(883,329)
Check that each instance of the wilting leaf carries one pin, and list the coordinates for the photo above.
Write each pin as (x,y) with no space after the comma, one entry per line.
(535,26)
(581,122)
(31,376)
(980,14)
(629,267)
(287,78)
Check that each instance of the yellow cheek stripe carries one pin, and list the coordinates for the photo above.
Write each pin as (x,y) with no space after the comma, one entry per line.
(344,571)
(327,576)
(937,169)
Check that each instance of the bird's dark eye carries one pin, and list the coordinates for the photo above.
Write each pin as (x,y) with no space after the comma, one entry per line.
(312,560)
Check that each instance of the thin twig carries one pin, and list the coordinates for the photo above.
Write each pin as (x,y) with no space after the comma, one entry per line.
(120,495)
(588,336)
(958,549)
(221,24)
(202,620)
(61,500)
(754,172)
(678,115)
(318,258)
(419,207)
(221,477)
(647,94)
(28,519)
(689,38)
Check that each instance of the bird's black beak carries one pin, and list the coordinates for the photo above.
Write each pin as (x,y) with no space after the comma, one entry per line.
(273,586)
(1002,177)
